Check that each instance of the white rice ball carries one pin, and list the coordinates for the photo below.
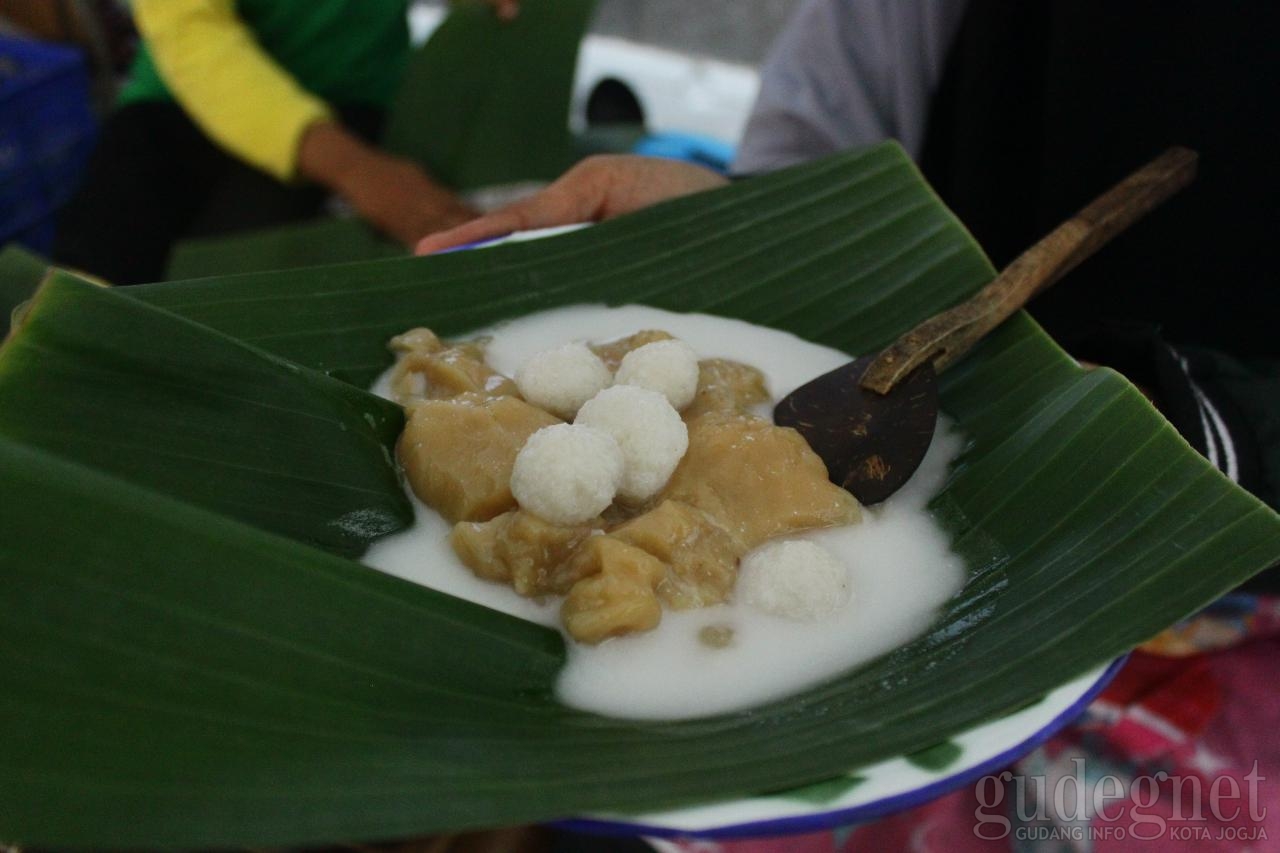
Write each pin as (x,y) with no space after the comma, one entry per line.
(567,474)
(560,380)
(668,367)
(649,431)
(794,578)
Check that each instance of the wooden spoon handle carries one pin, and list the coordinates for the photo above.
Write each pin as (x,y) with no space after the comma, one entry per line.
(945,337)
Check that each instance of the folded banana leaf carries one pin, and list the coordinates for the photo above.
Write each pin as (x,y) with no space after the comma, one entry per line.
(181,669)
(195,414)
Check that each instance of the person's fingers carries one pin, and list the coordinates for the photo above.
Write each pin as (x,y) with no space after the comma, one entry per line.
(486,227)
(556,205)
(409,233)
(599,187)
(441,216)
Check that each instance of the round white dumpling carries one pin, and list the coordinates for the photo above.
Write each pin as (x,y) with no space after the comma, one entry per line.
(567,474)
(668,367)
(794,578)
(560,380)
(649,431)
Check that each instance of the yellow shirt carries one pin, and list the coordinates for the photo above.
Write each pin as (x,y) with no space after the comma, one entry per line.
(237,94)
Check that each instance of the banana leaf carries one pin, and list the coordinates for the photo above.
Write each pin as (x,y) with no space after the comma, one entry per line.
(177,674)
(172,416)
(486,102)
(324,241)
(20,273)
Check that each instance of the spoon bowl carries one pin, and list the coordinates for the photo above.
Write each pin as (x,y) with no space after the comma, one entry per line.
(871,420)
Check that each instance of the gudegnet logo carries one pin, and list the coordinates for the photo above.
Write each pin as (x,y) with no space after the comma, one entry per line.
(1079,807)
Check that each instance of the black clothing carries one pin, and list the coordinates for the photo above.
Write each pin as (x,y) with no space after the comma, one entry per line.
(1044,105)
(155,178)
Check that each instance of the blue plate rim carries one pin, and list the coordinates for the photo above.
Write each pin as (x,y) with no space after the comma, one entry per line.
(798,824)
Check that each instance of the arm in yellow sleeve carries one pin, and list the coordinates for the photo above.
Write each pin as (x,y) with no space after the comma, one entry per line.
(237,94)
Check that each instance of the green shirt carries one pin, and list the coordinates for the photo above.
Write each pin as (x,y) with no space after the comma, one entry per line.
(343,51)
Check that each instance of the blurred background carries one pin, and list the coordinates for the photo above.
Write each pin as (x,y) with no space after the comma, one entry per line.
(653,76)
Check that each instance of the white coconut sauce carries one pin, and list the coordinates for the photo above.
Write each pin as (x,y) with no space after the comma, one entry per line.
(901,567)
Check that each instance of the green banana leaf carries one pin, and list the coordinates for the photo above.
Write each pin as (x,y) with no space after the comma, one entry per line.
(180,673)
(486,102)
(20,274)
(324,241)
(172,417)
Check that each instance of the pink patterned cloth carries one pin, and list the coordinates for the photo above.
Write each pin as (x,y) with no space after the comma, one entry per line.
(1194,712)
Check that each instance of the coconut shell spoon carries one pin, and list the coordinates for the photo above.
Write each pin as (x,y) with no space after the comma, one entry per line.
(872,420)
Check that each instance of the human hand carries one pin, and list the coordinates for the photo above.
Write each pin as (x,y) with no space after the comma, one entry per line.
(393,194)
(398,198)
(598,188)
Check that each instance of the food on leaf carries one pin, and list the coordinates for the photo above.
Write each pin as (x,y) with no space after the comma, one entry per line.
(727,386)
(668,367)
(632,507)
(519,548)
(794,578)
(757,480)
(428,369)
(647,429)
(613,352)
(567,473)
(458,454)
(560,380)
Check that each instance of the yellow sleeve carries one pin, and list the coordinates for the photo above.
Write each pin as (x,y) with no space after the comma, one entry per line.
(230,87)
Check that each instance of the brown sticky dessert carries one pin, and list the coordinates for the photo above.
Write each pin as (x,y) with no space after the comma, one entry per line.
(742,481)
(618,597)
(428,369)
(458,453)
(612,352)
(726,386)
(757,480)
(521,549)
(699,555)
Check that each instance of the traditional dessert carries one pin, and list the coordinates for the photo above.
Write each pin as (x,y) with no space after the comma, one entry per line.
(521,549)
(669,367)
(459,453)
(757,480)
(731,628)
(649,432)
(630,508)
(613,352)
(428,369)
(794,578)
(567,473)
(726,386)
(560,380)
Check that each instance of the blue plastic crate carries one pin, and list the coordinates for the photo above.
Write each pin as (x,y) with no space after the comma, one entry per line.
(47,129)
